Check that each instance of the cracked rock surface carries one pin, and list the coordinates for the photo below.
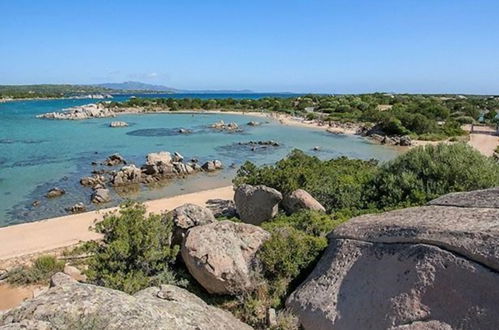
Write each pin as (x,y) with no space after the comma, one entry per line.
(430,267)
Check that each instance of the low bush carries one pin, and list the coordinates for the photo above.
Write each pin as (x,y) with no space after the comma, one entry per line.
(425,173)
(39,272)
(135,252)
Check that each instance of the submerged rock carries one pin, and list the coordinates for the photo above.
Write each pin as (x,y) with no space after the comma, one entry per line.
(221,255)
(118,124)
(55,192)
(72,305)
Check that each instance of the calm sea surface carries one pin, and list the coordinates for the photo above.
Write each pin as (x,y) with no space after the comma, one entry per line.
(36,154)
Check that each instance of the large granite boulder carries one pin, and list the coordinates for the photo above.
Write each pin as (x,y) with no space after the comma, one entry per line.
(256,204)
(72,305)
(301,200)
(101,195)
(187,216)
(431,267)
(221,255)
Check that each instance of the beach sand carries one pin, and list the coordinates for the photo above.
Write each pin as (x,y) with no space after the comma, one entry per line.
(47,235)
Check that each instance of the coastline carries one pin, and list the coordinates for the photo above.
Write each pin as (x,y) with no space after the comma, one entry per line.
(33,238)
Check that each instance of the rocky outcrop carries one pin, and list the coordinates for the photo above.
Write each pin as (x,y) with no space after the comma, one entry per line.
(155,158)
(72,305)
(301,200)
(55,192)
(118,124)
(80,112)
(256,204)
(92,181)
(221,255)
(221,125)
(100,195)
(435,266)
(188,216)
(129,174)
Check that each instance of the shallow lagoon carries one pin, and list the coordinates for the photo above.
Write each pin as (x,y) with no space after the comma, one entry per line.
(36,154)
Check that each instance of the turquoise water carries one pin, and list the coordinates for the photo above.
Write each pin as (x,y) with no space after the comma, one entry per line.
(36,154)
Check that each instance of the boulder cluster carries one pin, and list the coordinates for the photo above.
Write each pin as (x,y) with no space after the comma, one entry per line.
(94,110)
(377,135)
(222,126)
(429,267)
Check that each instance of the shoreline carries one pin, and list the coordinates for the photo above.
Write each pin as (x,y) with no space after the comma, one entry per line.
(34,238)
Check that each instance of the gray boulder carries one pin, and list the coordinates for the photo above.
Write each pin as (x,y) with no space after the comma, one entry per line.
(127,175)
(92,181)
(256,204)
(431,267)
(188,216)
(118,124)
(221,255)
(72,305)
(301,200)
(77,208)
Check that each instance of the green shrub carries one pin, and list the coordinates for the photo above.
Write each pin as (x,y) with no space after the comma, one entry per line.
(135,251)
(296,243)
(336,183)
(39,272)
(425,173)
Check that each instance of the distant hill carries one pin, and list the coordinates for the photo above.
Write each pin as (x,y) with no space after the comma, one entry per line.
(140,86)
(137,86)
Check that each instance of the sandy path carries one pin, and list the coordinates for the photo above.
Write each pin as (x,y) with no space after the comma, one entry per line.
(46,235)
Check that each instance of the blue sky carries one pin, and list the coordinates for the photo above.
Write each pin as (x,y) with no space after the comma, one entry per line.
(425,46)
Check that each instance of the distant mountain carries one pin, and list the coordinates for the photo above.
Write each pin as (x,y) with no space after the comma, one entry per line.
(140,86)
(137,86)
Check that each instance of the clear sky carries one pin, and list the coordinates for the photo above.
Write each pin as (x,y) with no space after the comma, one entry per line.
(426,46)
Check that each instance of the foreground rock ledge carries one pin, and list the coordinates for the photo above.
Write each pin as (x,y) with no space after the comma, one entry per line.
(429,267)
(72,305)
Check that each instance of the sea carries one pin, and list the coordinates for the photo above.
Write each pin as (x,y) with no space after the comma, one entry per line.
(39,154)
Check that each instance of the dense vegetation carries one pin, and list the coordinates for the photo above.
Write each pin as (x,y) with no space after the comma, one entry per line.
(135,252)
(49,91)
(348,186)
(422,116)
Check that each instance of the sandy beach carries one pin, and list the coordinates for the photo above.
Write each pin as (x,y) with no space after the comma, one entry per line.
(46,235)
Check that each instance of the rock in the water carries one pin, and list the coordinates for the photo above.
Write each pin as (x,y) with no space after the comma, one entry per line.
(77,208)
(221,255)
(36,203)
(212,165)
(177,157)
(184,131)
(427,267)
(73,305)
(114,159)
(92,181)
(55,192)
(127,175)
(301,200)
(253,123)
(118,124)
(256,204)
(155,158)
(101,196)
(80,112)
(188,216)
